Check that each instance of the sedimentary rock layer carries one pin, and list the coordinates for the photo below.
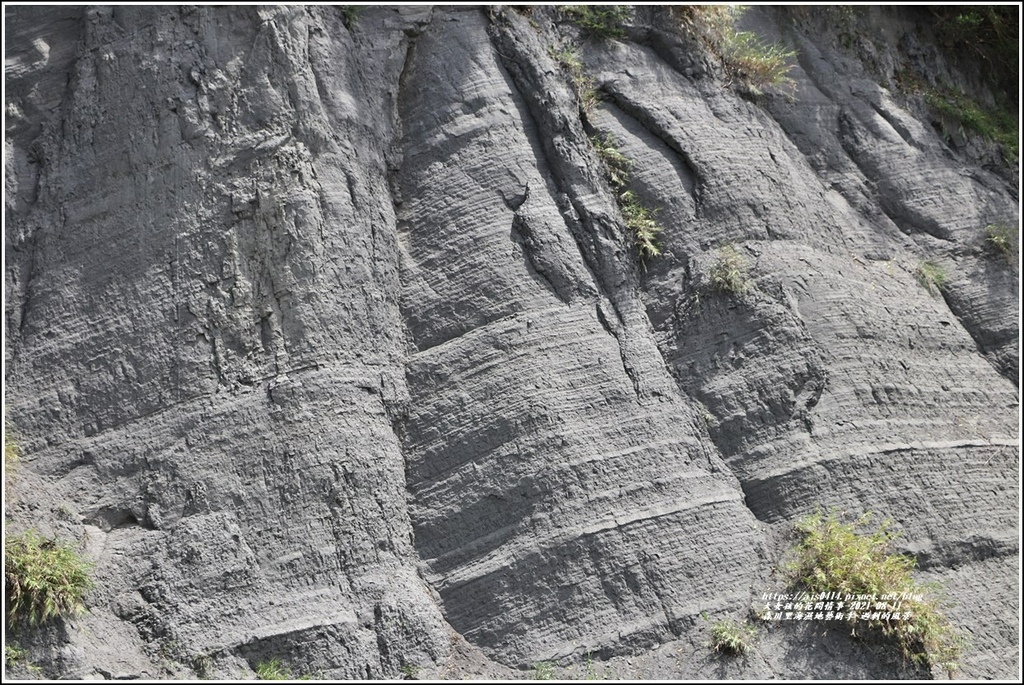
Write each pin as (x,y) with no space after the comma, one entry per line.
(327,339)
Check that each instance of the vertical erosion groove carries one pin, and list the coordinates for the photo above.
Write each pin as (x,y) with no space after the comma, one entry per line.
(559,508)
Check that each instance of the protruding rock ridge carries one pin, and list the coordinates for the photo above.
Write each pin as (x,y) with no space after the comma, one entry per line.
(327,341)
(209,351)
(562,496)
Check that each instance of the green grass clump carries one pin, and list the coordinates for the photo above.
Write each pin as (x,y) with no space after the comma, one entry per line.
(410,671)
(639,219)
(998,125)
(617,166)
(1002,239)
(11,449)
(13,654)
(730,637)
(603,21)
(350,14)
(587,95)
(759,64)
(44,579)
(275,670)
(833,557)
(272,670)
(543,670)
(729,272)
(932,276)
(748,59)
(641,223)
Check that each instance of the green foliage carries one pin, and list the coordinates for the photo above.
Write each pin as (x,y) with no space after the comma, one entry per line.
(603,21)
(729,272)
(641,222)
(543,670)
(272,670)
(13,654)
(410,671)
(11,449)
(748,59)
(833,557)
(1002,239)
(45,579)
(730,637)
(639,219)
(587,95)
(275,670)
(998,125)
(757,63)
(617,165)
(350,14)
(990,33)
(932,276)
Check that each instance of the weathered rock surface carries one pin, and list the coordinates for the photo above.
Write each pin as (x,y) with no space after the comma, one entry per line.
(327,342)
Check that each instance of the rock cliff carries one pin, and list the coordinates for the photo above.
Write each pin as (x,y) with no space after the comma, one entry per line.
(327,340)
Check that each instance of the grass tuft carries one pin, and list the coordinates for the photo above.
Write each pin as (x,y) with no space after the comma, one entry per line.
(272,670)
(729,272)
(350,14)
(932,276)
(998,125)
(641,223)
(730,637)
(639,219)
(602,21)
(748,59)
(587,94)
(1002,240)
(543,670)
(44,579)
(833,557)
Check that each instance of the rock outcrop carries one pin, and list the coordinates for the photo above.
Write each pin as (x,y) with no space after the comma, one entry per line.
(327,342)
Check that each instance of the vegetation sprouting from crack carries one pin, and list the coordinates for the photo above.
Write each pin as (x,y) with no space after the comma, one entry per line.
(639,218)
(729,271)
(833,557)
(751,61)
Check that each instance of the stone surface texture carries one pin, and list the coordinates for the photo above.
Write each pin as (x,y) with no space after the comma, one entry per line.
(326,341)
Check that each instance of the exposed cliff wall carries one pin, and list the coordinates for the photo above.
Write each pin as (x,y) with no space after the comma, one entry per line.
(327,341)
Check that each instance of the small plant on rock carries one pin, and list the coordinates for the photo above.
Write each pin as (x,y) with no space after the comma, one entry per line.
(756,62)
(730,637)
(748,59)
(603,21)
(350,14)
(641,222)
(591,673)
(832,557)
(587,95)
(932,276)
(543,670)
(617,166)
(639,219)
(272,670)
(1001,239)
(44,579)
(410,671)
(729,272)
(13,654)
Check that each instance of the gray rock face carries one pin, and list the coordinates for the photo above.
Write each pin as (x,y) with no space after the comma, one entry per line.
(327,342)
